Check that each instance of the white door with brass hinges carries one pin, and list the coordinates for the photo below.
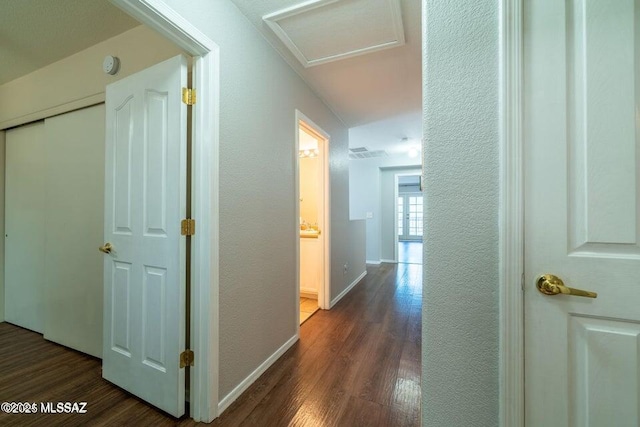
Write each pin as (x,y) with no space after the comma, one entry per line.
(145,264)
(582,212)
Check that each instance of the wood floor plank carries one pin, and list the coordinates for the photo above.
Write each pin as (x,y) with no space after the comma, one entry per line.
(362,413)
(355,365)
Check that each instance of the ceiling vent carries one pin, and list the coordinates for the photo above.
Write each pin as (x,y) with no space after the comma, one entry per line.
(363,153)
(321,31)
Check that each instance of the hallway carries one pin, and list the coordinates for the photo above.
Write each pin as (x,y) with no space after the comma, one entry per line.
(356,365)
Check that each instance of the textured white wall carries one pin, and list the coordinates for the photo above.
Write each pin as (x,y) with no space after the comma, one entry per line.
(365,195)
(258,98)
(461,131)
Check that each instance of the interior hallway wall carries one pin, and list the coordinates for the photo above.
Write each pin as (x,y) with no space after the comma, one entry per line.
(365,196)
(259,95)
(461,100)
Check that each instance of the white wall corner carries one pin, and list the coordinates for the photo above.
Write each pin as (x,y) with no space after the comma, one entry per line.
(348,289)
(253,376)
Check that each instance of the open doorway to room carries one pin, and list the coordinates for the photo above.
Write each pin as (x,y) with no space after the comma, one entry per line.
(408,223)
(312,189)
(56,146)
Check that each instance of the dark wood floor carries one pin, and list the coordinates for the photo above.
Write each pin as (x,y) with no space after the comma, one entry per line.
(356,365)
(410,252)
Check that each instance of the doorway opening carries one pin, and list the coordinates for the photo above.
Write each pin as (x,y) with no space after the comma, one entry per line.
(408,219)
(313,219)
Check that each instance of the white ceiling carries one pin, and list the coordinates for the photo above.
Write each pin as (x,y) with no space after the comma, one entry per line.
(35,33)
(329,30)
(361,89)
(388,134)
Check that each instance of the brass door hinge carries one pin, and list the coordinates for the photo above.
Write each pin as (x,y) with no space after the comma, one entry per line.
(188,227)
(188,96)
(186,358)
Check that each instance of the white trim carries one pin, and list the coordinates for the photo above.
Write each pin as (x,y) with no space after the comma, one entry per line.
(66,107)
(396,236)
(312,291)
(324,291)
(296,200)
(272,21)
(205,252)
(373,262)
(511,364)
(309,293)
(388,261)
(253,376)
(161,17)
(346,291)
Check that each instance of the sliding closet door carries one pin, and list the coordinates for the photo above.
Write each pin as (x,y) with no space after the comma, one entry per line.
(24,226)
(74,229)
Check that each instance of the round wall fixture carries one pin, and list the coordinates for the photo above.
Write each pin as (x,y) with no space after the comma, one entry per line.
(111,64)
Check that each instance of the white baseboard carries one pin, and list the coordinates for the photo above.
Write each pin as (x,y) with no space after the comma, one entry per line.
(372,262)
(346,291)
(308,293)
(244,385)
(392,261)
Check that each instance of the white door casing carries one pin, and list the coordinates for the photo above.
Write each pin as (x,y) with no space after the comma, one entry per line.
(145,200)
(582,204)
(203,394)
(304,123)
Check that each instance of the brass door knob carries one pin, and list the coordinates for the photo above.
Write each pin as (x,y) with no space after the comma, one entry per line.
(106,248)
(549,284)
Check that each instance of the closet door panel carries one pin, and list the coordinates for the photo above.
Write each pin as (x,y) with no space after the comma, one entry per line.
(24,226)
(74,229)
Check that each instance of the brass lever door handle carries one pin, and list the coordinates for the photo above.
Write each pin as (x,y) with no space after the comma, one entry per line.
(549,284)
(106,248)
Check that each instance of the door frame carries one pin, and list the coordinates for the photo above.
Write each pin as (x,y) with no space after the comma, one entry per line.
(156,14)
(511,216)
(324,291)
(396,194)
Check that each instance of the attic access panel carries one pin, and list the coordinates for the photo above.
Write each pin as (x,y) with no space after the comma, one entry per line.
(321,31)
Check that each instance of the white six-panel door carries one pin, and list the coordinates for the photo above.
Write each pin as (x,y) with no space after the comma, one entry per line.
(145,200)
(582,220)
